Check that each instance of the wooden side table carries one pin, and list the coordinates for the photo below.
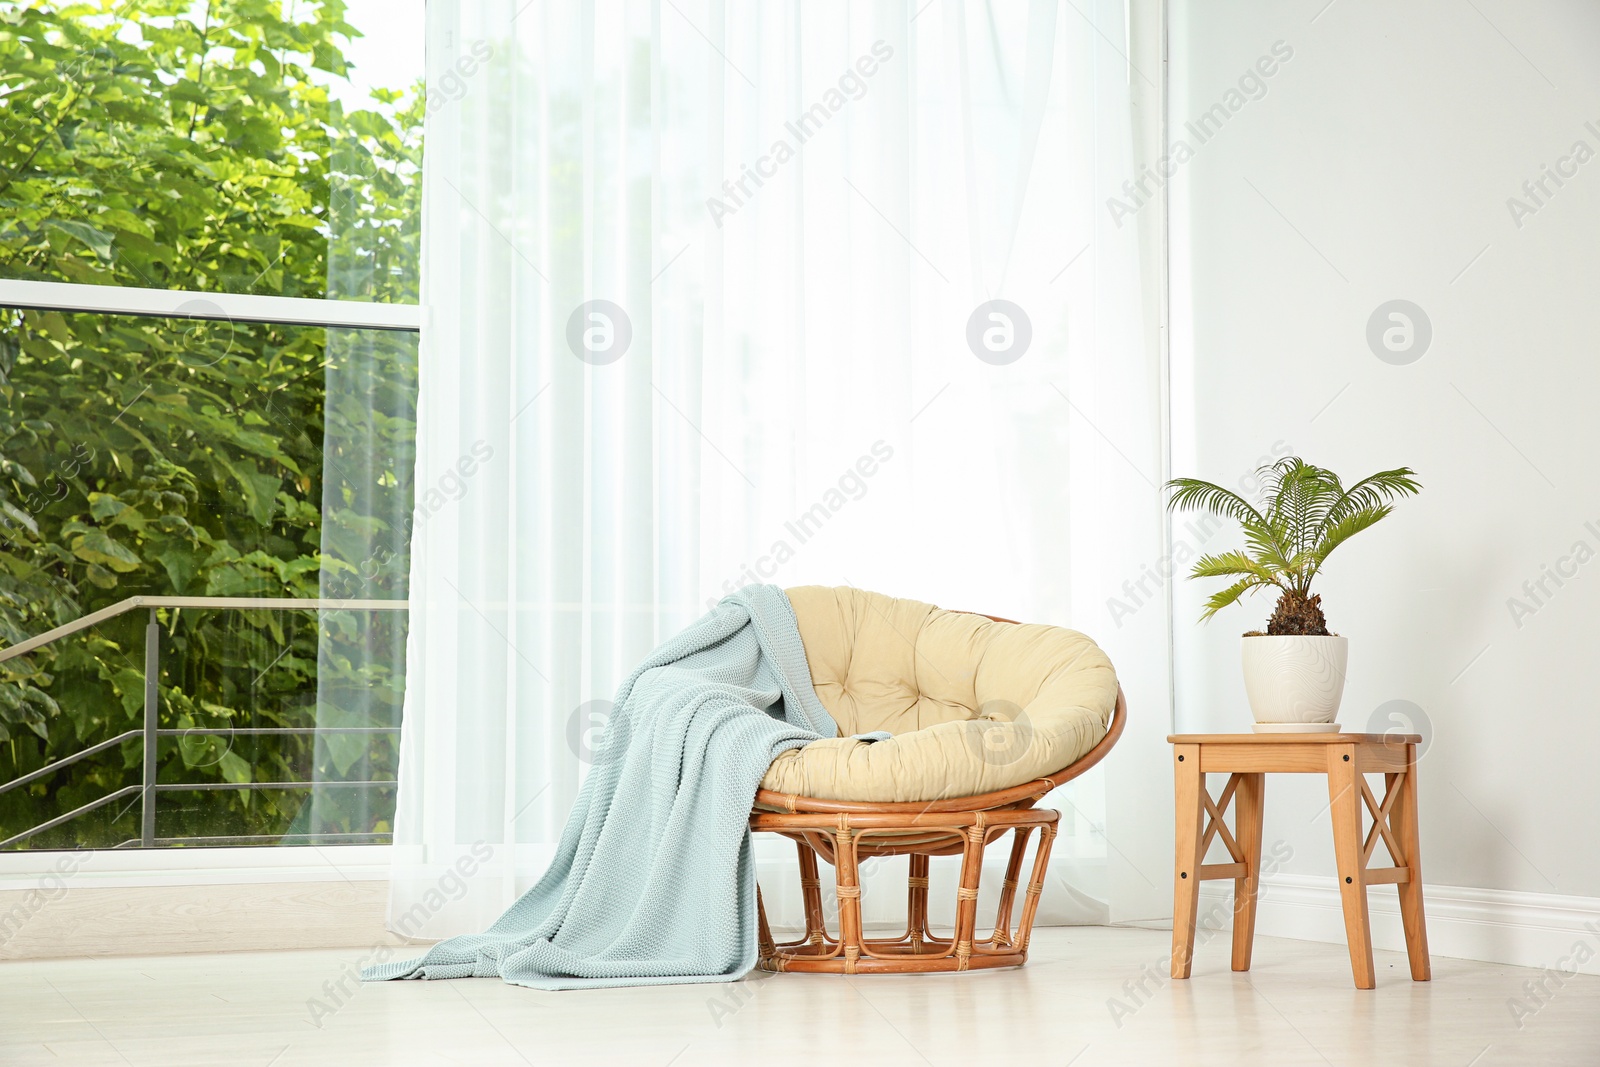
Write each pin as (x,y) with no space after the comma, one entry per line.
(1345,759)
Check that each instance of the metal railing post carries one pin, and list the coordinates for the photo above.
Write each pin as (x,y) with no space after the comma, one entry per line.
(152,693)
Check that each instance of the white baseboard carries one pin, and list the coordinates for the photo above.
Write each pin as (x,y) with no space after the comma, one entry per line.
(187,867)
(1537,930)
(64,920)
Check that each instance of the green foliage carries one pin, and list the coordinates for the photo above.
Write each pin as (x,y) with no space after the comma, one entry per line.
(175,145)
(1305,513)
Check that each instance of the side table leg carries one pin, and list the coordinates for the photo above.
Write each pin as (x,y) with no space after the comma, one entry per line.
(1405,819)
(1190,783)
(1248,807)
(1344,797)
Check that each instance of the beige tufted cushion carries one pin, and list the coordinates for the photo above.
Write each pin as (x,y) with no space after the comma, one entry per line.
(974,705)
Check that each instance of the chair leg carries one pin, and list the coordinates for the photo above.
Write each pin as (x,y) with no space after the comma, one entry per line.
(1030,897)
(917,902)
(1008,889)
(769,950)
(1344,796)
(1248,807)
(811,895)
(1411,914)
(1190,784)
(848,889)
(967,894)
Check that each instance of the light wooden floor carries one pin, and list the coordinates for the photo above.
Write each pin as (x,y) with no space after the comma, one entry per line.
(1091,996)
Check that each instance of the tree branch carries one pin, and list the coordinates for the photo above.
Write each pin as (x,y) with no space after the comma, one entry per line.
(200,75)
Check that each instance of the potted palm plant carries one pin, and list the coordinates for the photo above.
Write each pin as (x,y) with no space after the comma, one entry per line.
(1294,672)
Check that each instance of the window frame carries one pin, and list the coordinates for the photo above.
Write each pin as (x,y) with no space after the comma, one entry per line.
(27,869)
(80,297)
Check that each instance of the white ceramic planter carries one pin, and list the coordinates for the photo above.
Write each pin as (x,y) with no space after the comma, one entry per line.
(1294,682)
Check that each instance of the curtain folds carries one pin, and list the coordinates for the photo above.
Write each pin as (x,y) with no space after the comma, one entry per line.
(716,294)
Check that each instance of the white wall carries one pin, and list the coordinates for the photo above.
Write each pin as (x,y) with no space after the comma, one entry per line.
(1377,166)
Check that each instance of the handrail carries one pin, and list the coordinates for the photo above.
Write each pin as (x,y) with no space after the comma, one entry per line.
(265,731)
(152,731)
(237,839)
(101,802)
(64,761)
(242,603)
(201,787)
(190,731)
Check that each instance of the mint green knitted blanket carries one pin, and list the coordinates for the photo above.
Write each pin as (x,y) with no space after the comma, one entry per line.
(654,880)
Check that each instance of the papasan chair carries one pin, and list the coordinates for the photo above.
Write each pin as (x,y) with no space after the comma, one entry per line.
(986,716)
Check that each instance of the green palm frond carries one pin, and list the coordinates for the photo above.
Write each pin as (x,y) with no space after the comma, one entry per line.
(1232,565)
(1193,494)
(1221,599)
(1272,544)
(1301,495)
(1382,488)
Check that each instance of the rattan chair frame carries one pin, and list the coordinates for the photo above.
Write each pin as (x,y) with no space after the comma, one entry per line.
(842,832)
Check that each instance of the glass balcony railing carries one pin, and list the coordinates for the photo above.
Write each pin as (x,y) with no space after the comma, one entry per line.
(200,746)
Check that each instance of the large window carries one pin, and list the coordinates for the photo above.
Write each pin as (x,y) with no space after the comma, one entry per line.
(209,217)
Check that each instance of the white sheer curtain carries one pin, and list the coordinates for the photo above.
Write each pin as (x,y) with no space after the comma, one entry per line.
(796,216)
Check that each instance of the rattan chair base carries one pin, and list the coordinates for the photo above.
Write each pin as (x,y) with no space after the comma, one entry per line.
(798,963)
(918,949)
(842,832)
